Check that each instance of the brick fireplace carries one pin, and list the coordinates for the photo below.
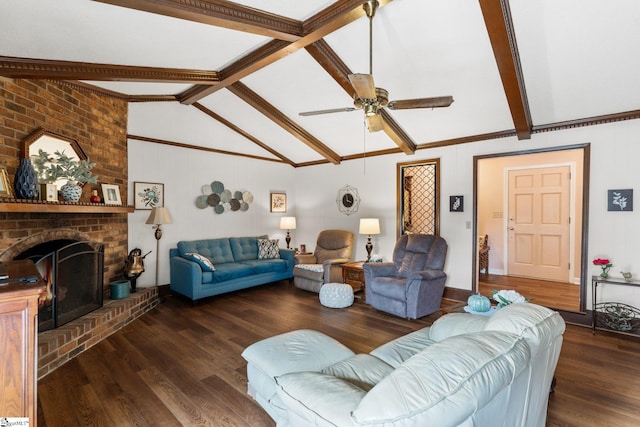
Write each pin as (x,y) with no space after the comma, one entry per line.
(97,120)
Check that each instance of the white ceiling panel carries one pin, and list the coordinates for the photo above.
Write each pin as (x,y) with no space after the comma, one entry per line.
(579,59)
(88,31)
(257,125)
(185,124)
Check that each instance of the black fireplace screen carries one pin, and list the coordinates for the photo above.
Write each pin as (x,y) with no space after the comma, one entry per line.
(73,272)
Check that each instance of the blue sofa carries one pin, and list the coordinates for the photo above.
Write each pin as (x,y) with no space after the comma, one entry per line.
(236,265)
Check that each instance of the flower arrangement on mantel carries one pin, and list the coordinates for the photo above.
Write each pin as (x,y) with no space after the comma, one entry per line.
(507,297)
(60,166)
(605,264)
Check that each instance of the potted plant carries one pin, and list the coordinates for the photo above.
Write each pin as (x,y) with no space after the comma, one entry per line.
(61,166)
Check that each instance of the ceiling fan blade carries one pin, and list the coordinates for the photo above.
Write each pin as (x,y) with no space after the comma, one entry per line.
(332,110)
(363,85)
(374,123)
(435,102)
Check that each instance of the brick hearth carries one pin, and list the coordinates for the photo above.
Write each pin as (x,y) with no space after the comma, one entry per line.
(58,346)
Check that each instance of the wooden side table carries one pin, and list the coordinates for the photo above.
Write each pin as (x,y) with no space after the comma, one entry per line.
(353,274)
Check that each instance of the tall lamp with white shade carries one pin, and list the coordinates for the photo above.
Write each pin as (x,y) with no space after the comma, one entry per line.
(288,223)
(369,226)
(158,217)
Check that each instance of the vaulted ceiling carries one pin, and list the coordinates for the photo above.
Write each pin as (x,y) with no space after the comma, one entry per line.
(233,76)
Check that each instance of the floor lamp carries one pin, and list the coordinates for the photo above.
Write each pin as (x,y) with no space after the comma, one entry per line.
(158,217)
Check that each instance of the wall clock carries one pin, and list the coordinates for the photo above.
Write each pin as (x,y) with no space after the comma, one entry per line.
(348,200)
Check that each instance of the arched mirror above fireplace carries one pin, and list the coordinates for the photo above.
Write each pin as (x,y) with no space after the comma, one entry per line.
(42,139)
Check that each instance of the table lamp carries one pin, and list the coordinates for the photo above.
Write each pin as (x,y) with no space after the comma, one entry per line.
(158,217)
(288,223)
(369,226)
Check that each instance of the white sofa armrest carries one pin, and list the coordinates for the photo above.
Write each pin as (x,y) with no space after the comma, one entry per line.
(319,399)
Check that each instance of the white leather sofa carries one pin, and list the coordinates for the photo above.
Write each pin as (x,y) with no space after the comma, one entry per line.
(465,370)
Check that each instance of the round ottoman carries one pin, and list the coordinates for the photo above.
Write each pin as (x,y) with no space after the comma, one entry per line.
(336,295)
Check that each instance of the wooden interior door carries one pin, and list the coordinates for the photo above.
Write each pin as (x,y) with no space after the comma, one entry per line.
(538,223)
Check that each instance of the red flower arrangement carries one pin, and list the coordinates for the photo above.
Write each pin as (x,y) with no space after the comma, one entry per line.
(605,264)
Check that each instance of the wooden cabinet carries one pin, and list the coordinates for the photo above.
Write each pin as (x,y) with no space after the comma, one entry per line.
(19,333)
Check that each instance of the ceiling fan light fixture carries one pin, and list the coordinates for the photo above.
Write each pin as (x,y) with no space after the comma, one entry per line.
(370,110)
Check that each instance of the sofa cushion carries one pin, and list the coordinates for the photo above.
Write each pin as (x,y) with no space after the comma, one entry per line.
(398,351)
(217,250)
(245,248)
(362,370)
(230,271)
(390,287)
(537,324)
(457,324)
(268,249)
(449,380)
(317,268)
(318,399)
(204,262)
(267,265)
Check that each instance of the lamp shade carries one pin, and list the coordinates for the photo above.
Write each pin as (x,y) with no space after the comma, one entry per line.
(288,223)
(369,226)
(159,216)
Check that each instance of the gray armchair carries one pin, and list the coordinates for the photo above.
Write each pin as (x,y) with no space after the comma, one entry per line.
(333,248)
(413,284)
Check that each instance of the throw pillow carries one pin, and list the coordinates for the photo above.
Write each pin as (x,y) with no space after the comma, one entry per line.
(204,262)
(268,249)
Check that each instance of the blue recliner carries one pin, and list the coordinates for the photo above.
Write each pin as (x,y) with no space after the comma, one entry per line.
(413,284)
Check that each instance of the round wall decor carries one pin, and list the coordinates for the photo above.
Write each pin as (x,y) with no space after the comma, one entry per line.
(348,200)
(222,200)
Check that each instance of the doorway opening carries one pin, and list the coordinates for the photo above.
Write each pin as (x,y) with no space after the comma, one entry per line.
(533,206)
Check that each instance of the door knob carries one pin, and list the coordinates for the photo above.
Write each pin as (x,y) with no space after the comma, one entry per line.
(511,228)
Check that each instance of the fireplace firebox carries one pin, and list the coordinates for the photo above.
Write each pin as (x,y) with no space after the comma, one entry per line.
(73,273)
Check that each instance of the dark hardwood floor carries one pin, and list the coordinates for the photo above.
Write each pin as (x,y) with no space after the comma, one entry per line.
(180,365)
(556,295)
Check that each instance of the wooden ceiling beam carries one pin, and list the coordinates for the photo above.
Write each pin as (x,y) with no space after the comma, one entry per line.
(236,129)
(275,115)
(497,19)
(338,70)
(396,133)
(26,68)
(220,13)
(336,16)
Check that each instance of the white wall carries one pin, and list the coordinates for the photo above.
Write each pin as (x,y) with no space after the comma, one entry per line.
(312,193)
(183,173)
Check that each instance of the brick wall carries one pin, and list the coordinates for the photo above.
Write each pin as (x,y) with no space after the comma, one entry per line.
(99,124)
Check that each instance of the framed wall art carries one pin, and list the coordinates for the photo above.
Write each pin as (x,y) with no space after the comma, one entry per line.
(456,203)
(278,202)
(620,200)
(148,195)
(5,187)
(111,194)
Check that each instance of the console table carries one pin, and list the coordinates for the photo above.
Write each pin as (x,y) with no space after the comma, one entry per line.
(617,316)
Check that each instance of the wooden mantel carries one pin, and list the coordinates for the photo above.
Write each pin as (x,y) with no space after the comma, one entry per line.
(40,206)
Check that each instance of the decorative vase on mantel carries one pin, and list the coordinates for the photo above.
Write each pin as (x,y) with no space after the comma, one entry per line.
(25,183)
(71,191)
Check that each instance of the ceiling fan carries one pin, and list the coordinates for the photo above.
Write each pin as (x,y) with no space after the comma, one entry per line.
(372,99)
